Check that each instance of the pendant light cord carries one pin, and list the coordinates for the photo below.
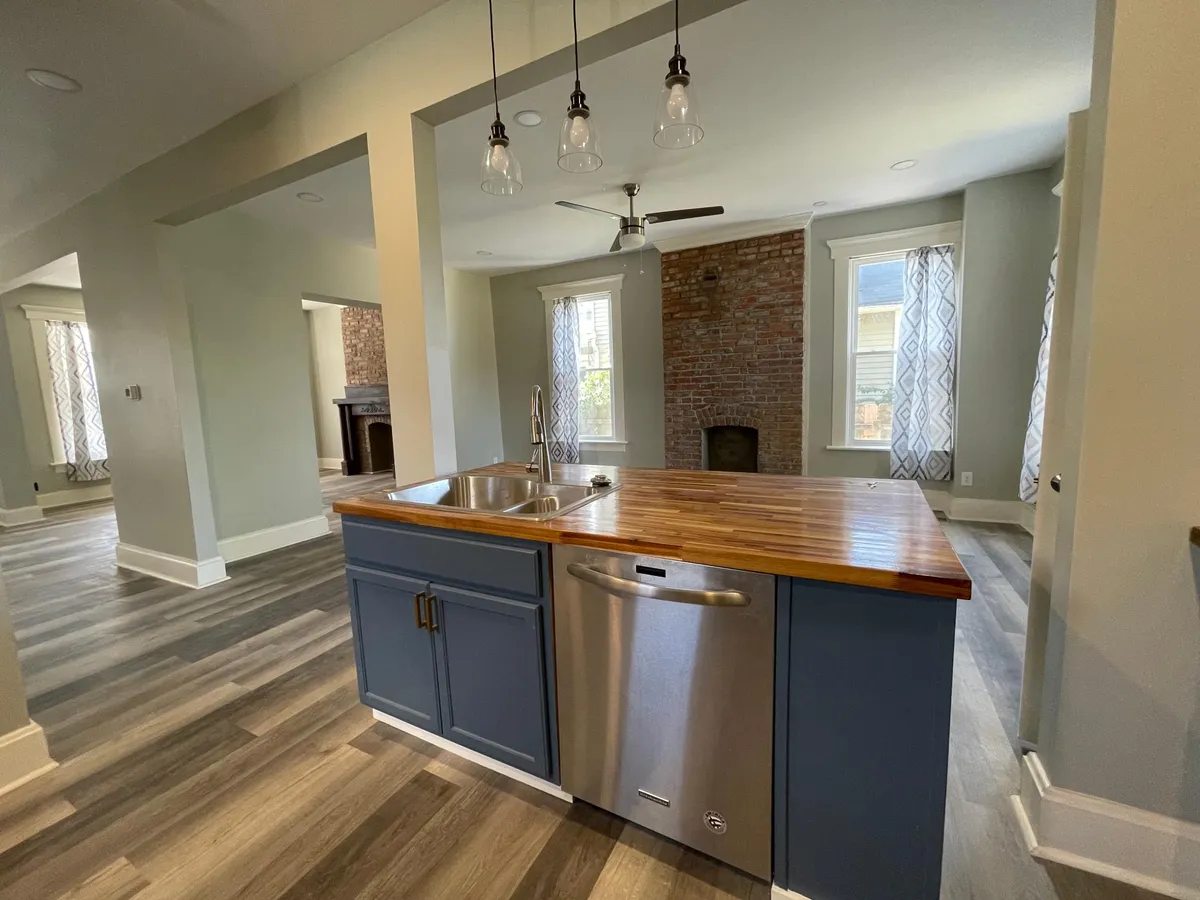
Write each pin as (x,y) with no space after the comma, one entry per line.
(676,27)
(492,32)
(575,26)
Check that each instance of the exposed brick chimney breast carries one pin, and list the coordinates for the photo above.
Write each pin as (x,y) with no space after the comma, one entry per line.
(733,347)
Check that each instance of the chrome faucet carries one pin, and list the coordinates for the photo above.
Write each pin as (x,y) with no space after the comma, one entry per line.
(537,437)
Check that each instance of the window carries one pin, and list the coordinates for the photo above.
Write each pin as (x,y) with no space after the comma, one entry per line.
(878,296)
(601,407)
(868,299)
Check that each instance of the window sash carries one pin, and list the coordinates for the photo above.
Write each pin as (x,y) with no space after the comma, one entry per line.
(855,310)
(584,433)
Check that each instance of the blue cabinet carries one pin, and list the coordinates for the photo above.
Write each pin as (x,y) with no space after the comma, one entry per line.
(394,653)
(492,676)
(862,718)
(452,634)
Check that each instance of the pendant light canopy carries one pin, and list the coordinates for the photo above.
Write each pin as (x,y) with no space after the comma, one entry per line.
(676,124)
(501,172)
(578,142)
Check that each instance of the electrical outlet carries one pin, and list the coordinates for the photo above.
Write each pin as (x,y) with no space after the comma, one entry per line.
(495,459)
(966,479)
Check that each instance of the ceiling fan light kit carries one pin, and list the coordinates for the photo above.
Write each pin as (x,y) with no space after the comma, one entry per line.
(578,141)
(501,171)
(676,122)
(631,229)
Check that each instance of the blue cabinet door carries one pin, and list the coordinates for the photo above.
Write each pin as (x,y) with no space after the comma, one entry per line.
(492,676)
(395,656)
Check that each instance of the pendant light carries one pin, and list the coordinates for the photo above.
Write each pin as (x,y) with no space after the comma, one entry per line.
(676,125)
(501,173)
(578,143)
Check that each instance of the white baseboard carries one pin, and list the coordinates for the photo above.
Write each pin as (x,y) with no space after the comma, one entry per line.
(22,515)
(329,462)
(970,509)
(177,569)
(254,543)
(75,496)
(23,756)
(486,761)
(1154,852)
(1028,516)
(778,893)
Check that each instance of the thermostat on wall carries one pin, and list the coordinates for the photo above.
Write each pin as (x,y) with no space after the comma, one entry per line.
(133,391)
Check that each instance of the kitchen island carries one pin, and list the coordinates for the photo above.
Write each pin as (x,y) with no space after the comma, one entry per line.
(454,619)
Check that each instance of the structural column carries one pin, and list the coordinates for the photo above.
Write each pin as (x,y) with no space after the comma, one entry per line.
(23,753)
(138,320)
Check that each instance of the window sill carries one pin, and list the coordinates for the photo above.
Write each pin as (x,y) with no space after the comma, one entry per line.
(603,446)
(859,447)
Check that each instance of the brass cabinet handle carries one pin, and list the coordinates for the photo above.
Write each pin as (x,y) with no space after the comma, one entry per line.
(417,599)
(432,625)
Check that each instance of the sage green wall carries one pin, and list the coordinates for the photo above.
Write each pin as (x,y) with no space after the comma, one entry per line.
(244,280)
(328,362)
(473,379)
(818,368)
(1010,225)
(16,478)
(522,355)
(28,383)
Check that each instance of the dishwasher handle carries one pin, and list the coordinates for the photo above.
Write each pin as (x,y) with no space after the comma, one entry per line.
(627,588)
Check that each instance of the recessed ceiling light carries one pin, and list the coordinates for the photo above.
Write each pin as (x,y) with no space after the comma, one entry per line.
(903,164)
(530,118)
(310,197)
(483,252)
(820,203)
(56,81)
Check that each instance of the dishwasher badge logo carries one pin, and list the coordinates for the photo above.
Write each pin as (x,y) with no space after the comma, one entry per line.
(715,822)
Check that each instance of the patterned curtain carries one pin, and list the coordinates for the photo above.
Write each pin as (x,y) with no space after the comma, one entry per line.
(1031,463)
(923,415)
(76,400)
(564,378)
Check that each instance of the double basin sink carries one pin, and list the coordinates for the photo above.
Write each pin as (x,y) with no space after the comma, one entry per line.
(500,495)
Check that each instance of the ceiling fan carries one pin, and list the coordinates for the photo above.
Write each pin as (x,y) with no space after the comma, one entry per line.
(632,232)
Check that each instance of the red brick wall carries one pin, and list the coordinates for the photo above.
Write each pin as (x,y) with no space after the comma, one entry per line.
(362,341)
(733,346)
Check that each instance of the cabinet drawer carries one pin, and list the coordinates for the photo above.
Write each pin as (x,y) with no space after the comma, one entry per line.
(447,557)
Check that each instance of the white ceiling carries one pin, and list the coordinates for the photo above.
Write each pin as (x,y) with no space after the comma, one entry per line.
(345,213)
(801,100)
(154,75)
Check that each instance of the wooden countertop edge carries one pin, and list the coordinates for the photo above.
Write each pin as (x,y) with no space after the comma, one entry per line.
(952,588)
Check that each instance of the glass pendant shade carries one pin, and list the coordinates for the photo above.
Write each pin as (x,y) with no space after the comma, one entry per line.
(501,170)
(676,122)
(579,143)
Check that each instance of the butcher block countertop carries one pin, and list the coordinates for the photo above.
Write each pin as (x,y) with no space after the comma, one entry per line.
(876,534)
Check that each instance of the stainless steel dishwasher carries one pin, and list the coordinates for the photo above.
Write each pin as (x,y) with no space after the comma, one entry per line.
(666,673)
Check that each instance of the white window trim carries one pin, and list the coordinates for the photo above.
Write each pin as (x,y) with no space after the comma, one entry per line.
(844,251)
(611,284)
(41,354)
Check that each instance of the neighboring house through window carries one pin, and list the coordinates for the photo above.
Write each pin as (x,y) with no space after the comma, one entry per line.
(600,400)
(869,276)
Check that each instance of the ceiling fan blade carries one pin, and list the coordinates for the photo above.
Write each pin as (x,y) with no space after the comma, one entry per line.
(616,244)
(589,209)
(674,215)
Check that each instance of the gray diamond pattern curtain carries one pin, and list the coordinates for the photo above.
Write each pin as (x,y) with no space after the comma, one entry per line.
(564,380)
(77,401)
(1031,462)
(923,415)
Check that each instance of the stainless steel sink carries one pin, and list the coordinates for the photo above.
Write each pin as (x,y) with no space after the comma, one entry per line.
(500,495)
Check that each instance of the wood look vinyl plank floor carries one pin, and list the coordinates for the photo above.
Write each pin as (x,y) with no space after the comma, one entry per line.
(212,746)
